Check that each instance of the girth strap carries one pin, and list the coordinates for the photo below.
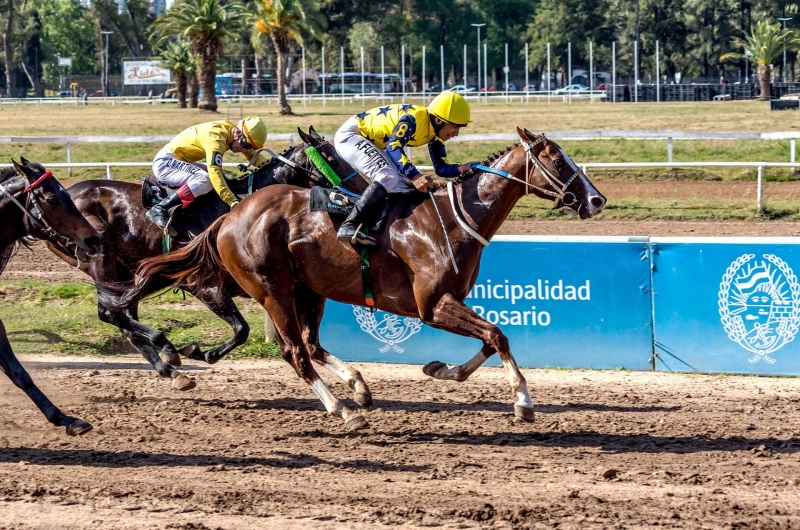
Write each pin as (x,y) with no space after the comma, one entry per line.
(366,279)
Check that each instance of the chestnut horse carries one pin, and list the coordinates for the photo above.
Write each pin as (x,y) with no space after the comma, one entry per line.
(290,261)
(33,203)
(115,209)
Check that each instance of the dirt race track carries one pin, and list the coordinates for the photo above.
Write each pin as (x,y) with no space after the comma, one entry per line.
(250,447)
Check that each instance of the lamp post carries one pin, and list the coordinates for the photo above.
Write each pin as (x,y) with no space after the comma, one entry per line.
(783,70)
(105,86)
(479,26)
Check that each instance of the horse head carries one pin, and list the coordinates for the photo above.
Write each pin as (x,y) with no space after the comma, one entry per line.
(53,215)
(555,176)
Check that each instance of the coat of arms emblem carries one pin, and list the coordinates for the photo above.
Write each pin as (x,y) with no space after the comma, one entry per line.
(390,330)
(759,304)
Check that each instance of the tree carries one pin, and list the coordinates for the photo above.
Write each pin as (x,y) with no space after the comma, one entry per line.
(764,44)
(9,10)
(177,57)
(205,23)
(285,21)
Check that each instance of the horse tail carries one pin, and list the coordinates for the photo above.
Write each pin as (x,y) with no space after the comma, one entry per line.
(196,265)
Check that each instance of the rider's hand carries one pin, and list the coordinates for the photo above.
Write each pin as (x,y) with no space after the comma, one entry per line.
(423,182)
(466,168)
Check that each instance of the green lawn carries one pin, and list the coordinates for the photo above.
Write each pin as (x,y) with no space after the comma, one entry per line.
(61,318)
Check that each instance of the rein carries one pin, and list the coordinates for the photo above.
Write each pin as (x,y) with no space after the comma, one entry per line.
(38,220)
(558,192)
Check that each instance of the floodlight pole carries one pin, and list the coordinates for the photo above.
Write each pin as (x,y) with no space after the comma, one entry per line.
(105,88)
(479,26)
(783,71)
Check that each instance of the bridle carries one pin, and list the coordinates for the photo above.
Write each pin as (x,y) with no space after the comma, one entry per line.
(34,216)
(559,191)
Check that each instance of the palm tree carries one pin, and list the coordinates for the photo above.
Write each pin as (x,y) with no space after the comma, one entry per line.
(194,87)
(284,21)
(764,44)
(205,23)
(178,59)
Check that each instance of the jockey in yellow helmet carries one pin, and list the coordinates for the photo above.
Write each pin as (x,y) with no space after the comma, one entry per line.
(373,142)
(192,162)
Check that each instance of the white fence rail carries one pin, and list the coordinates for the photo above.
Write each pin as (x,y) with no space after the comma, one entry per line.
(333,98)
(586,167)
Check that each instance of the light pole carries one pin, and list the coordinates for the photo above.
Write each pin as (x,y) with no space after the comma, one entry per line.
(783,71)
(105,87)
(479,26)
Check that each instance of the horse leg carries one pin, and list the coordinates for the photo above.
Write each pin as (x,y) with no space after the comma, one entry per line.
(275,290)
(310,307)
(137,334)
(10,366)
(221,303)
(452,315)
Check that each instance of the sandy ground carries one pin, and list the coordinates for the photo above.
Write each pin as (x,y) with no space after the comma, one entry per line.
(250,447)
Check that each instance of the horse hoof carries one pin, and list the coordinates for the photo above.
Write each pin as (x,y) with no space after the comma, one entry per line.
(356,422)
(192,351)
(524,413)
(364,400)
(432,367)
(170,356)
(181,382)
(78,427)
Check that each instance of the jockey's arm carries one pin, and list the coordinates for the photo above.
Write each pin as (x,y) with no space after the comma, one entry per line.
(401,135)
(216,146)
(441,166)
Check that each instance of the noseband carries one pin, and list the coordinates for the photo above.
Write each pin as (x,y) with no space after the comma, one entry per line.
(34,215)
(559,190)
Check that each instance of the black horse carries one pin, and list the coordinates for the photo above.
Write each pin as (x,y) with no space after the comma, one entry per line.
(116,211)
(33,203)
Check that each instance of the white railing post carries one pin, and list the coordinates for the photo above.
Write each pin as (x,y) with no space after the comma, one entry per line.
(69,158)
(586,170)
(269,329)
(793,152)
(109,174)
(760,192)
(669,151)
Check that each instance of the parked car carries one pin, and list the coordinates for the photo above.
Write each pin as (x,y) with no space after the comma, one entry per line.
(602,86)
(433,88)
(99,94)
(511,87)
(463,89)
(530,88)
(65,94)
(571,89)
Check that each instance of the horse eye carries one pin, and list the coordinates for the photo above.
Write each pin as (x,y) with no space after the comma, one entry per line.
(51,199)
(558,163)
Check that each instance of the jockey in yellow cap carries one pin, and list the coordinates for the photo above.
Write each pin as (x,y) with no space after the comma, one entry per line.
(373,143)
(192,162)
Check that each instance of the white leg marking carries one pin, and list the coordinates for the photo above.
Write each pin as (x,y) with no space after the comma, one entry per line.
(332,405)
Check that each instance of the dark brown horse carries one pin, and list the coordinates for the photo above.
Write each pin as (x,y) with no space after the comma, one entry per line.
(33,203)
(115,209)
(289,260)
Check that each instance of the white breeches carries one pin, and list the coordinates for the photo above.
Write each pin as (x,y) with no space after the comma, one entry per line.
(176,173)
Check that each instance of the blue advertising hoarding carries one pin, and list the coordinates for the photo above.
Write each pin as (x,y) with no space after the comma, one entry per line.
(562,301)
(727,304)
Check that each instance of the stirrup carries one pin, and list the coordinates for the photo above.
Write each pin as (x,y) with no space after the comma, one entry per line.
(369,240)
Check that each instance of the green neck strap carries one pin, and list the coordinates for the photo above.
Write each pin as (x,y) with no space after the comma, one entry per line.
(320,163)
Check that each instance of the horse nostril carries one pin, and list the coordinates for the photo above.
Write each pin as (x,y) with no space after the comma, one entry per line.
(93,243)
(597,202)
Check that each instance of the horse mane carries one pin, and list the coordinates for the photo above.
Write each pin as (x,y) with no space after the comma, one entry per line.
(494,157)
(7,173)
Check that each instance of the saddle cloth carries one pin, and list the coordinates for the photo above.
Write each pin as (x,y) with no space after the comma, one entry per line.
(337,203)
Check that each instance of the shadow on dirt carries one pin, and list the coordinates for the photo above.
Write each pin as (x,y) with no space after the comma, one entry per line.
(135,459)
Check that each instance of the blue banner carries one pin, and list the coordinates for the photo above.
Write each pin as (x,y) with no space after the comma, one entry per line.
(727,304)
(562,301)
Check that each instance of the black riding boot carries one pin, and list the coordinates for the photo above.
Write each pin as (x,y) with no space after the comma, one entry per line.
(159,213)
(365,211)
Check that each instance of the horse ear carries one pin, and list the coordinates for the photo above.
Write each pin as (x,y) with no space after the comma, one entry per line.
(304,136)
(22,169)
(521,133)
(314,133)
(24,161)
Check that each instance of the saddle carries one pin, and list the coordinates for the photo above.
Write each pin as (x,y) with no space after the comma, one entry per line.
(153,192)
(337,203)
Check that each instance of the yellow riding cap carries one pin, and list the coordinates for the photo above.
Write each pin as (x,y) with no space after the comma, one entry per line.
(450,107)
(255,130)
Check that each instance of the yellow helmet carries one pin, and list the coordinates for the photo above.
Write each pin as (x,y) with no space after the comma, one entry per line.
(255,131)
(450,107)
